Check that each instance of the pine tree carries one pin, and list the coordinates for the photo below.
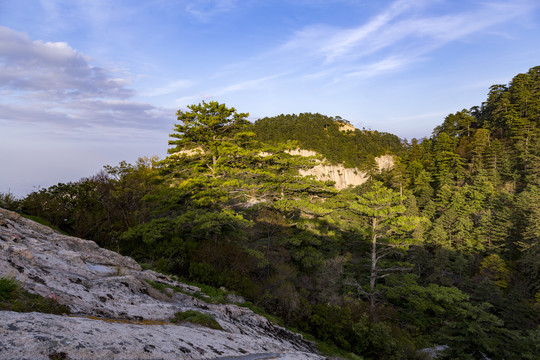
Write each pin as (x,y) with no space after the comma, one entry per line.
(382,215)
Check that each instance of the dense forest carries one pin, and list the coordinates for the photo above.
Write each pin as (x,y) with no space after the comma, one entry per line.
(329,137)
(443,249)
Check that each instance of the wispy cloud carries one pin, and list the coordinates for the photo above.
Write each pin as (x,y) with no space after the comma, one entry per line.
(224,90)
(438,114)
(45,82)
(205,10)
(403,33)
(169,88)
(248,84)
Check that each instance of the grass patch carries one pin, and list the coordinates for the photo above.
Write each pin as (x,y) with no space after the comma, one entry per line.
(7,288)
(158,286)
(213,295)
(14,298)
(208,294)
(44,222)
(260,311)
(196,317)
(332,351)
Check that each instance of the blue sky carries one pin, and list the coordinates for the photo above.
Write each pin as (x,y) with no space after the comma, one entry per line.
(89,83)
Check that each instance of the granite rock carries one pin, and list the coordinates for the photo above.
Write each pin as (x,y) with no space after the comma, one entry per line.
(116,313)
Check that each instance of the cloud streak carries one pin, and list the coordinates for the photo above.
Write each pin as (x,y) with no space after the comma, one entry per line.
(400,35)
(396,37)
(236,87)
(205,10)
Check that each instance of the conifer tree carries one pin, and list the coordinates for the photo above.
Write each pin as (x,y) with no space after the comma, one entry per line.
(382,216)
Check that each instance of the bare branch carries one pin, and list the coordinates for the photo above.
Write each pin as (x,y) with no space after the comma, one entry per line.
(359,288)
(395,269)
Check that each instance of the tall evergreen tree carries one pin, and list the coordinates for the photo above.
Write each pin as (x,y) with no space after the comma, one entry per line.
(381,212)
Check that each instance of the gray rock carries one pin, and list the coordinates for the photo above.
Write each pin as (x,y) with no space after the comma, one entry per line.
(42,336)
(95,282)
(235,299)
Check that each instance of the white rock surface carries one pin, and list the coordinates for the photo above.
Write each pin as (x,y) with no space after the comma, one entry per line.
(41,336)
(344,177)
(95,282)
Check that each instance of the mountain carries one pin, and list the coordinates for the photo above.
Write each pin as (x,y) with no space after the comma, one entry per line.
(333,137)
(440,250)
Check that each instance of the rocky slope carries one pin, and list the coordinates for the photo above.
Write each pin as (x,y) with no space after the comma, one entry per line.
(116,314)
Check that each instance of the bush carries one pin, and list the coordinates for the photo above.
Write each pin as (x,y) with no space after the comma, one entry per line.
(14,298)
(205,273)
(9,201)
(196,317)
(7,288)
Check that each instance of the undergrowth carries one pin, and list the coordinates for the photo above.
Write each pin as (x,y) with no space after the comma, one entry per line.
(210,294)
(196,317)
(14,298)
(43,222)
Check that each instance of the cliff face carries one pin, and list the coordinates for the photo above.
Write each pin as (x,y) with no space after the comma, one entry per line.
(344,177)
(116,313)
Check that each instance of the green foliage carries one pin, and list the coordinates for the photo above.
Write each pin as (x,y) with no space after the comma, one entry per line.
(494,268)
(331,324)
(15,298)
(380,340)
(471,330)
(382,217)
(196,317)
(9,201)
(322,134)
(99,207)
(7,288)
(44,222)
(422,307)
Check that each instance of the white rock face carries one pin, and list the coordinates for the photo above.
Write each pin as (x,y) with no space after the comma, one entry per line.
(95,282)
(344,177)
(385,162)
(344,127)
(302,152)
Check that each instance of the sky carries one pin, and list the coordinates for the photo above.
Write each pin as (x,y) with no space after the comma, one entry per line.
(88,83)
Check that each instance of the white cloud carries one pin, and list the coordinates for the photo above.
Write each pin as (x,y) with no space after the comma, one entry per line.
(170,88)
(221,91)
(401,34)
(248,84)
(204,10)
(54,68)
(44,82)
(191,99)
(382,66)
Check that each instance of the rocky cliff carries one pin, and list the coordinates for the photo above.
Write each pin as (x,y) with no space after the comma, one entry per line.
(115,312)
(344,177)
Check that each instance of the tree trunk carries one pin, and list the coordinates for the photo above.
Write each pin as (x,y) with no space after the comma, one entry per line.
(373,272)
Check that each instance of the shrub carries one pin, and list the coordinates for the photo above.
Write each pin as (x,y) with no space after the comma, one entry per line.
(196,317)
(14,298)
(9,201)
(7,288)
